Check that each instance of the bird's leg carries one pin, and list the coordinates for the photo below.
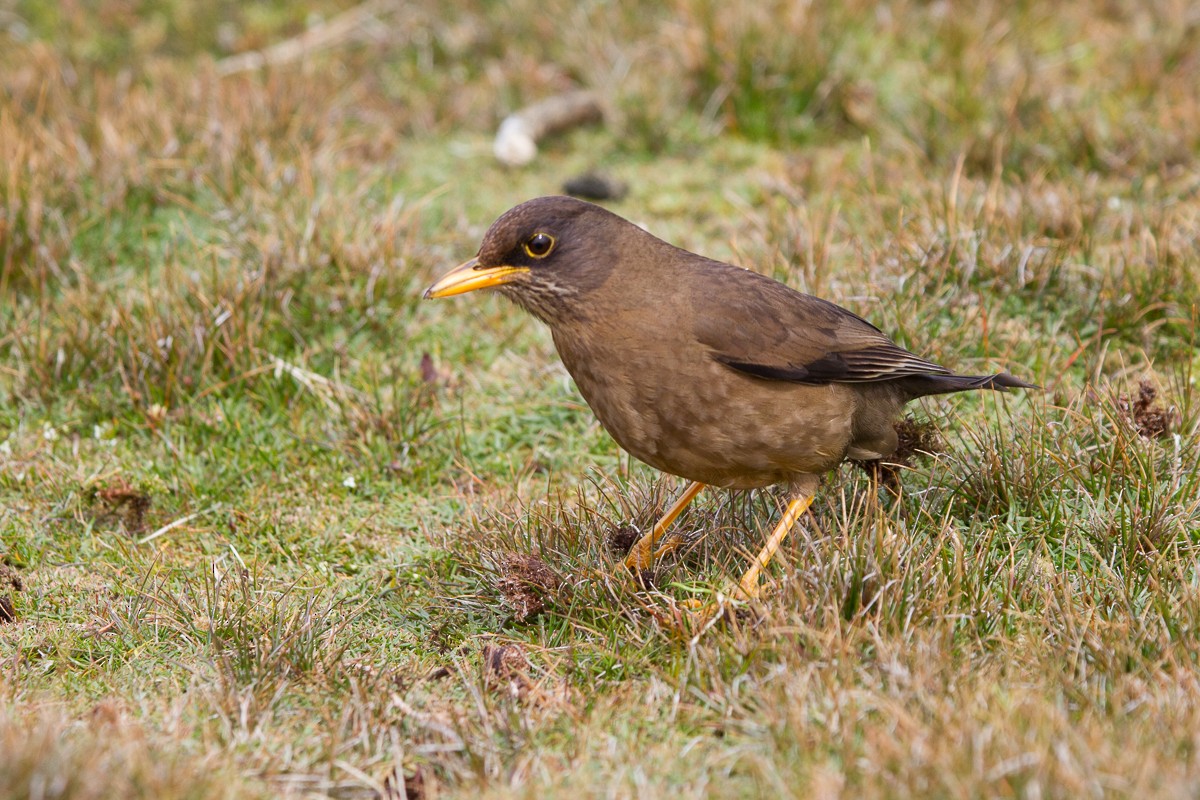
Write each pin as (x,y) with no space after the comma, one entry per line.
(748,586)
(643,554)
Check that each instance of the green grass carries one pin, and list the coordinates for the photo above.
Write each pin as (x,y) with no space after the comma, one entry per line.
(267,518)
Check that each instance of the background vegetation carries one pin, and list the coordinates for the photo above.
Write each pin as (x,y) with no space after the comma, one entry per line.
(273,526)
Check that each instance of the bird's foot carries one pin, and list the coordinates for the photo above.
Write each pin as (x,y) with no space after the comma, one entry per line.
(642,558)
(692,616)
(688,618)
(647,550)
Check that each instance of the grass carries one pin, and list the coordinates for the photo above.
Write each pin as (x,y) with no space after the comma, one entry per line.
(273,526)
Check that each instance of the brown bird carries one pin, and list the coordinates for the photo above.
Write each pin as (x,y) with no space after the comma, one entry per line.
(699,368)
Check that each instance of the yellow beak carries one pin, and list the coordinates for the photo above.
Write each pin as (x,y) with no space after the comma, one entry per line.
(470,276)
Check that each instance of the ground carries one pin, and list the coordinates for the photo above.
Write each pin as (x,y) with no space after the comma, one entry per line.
(271,525)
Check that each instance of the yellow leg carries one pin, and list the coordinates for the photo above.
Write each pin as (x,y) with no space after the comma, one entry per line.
(643,554)
(748,586)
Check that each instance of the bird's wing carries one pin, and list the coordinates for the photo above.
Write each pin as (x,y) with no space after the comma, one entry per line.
(763,328)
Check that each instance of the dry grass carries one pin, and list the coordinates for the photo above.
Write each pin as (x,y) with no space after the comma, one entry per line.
(273,527)
(107,753)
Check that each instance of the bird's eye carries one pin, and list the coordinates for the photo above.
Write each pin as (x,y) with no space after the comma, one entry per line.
(539,245)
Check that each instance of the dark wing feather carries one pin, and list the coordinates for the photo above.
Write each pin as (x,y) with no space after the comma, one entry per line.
(880,363)
(766,329)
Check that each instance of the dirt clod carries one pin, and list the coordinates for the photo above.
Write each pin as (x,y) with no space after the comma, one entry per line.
(913,439)
(413,785)
(9,579)
(506,668)
(527,584)
(433,375)
(917,438)
(621,539)
(122,500)
(1146,414)
(648,579)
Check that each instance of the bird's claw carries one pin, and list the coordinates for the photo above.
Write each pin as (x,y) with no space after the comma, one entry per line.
(693,616)
(687,618)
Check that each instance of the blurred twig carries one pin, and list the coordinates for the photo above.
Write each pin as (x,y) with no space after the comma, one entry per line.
(346,26)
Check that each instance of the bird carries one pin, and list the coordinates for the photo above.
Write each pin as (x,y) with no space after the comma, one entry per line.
(704,370)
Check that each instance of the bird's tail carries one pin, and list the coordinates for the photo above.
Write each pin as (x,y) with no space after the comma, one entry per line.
(922,385)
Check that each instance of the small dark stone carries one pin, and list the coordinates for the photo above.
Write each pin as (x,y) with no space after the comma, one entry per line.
(595,186)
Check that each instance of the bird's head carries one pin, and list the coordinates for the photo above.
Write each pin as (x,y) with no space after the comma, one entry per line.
(545,254)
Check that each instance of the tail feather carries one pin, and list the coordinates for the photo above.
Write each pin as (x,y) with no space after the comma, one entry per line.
(922,385)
